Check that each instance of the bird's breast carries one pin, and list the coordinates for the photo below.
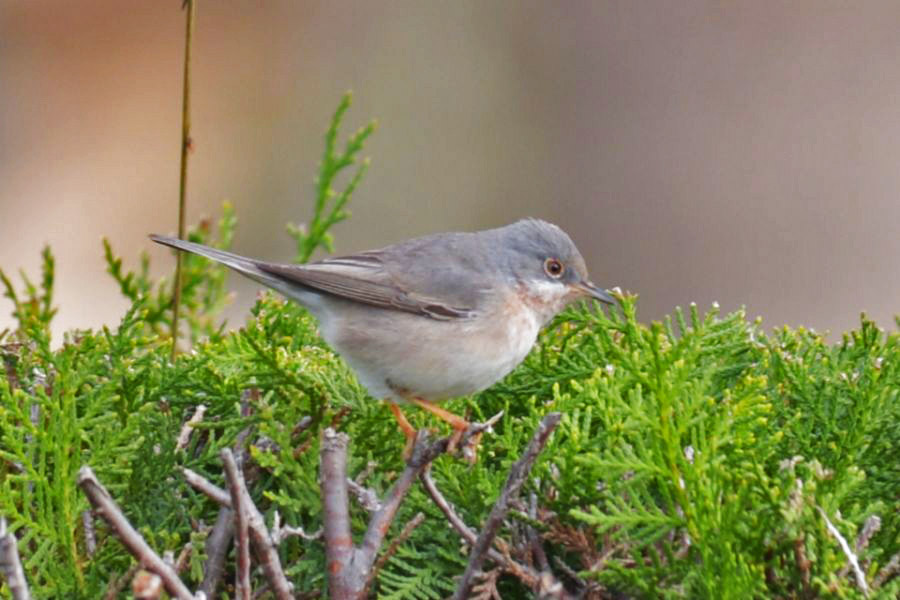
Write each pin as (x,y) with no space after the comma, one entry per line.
(399,355)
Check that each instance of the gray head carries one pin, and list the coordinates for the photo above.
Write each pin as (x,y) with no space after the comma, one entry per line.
(544,262)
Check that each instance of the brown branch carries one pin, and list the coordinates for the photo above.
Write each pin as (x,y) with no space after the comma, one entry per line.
(90,537)
(184,436)
(242,537)
(534,540)
(205,486)
(455,520)
(887,571)
(422,455)
(281,533)
(11,564)
(350,568)
(339,549)
(266,552)
(366,497)
(106,507)
(218,542)
(544,583)
(186,144)
(397,541)
(184,558)
(514,482)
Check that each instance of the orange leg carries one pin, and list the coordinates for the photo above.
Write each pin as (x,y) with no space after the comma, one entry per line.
(458,424)
(406,427)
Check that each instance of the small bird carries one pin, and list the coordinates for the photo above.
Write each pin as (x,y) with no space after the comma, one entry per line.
(434,317)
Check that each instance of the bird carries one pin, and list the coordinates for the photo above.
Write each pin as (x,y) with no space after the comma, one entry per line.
(434,317)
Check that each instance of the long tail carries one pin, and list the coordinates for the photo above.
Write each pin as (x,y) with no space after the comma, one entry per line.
(241,264)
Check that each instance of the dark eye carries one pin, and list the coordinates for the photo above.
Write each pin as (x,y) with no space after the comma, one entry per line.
(554,268)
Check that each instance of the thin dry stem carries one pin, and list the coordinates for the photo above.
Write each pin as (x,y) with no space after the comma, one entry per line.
(11,564)
(242,537)
(186,145)
(184,436)
(514,481)
(397,541)
(205,486)
(258,534)
(105,507)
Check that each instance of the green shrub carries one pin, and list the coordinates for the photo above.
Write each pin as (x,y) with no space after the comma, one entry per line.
(697,458)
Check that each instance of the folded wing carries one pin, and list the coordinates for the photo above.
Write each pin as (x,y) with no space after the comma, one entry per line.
(363,278)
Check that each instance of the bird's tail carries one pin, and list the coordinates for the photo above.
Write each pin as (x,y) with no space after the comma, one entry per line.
(241,264)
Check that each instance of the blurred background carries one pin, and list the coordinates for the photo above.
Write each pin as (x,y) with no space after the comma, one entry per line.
(741,152)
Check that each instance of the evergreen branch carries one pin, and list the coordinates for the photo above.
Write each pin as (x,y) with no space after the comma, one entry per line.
(329,207)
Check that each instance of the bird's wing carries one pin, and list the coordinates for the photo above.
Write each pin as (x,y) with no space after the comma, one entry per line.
(364,278)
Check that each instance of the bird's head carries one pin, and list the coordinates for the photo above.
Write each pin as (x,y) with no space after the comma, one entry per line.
(546,268)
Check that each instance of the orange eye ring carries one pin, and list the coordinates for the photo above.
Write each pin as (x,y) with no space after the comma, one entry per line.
(554,268)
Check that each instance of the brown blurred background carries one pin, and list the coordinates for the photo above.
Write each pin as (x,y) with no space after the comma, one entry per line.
(739,152)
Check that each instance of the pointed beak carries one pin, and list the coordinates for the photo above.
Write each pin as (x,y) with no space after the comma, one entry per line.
(589,289)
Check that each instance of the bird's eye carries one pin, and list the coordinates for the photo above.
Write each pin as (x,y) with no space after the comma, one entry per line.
(554,268)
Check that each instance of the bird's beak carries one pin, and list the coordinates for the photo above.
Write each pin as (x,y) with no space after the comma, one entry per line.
(589,289)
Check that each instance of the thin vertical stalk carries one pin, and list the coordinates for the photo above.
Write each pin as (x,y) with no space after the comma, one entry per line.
(190,9)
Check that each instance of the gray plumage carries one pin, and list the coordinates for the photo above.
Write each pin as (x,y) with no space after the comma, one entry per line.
(437,316)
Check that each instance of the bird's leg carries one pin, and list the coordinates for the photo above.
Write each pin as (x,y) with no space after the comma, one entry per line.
(458,424)
(406,427)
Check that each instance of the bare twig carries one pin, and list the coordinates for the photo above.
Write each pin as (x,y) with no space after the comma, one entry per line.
(279,533)
(545,584)
(397,541)
(242,536)
(851,556)
(266,552)
(90,537)
(183,558)
(422,455)
(205,486)
(887,571)
(106,507)
(366,497)
(514,481)
(534,540)
(455,520)
(570,572)
(870,528)
(184,436)
(11,564)
(350,569)
(335,505)
(186,145)
(218,543)
(366,473)
(486,588)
